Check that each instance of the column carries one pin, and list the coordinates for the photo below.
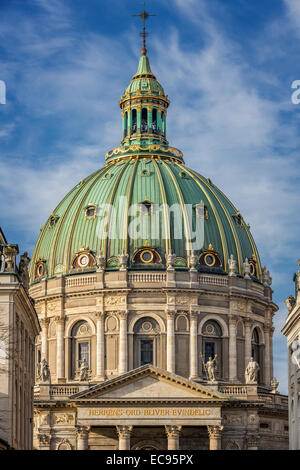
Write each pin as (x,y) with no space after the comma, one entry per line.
(60,348)
(170,342)
(138,119)
(247,342)
(123,355)
(193,346)
(100,346)
(232,350)
(159,121)
(83,437)
(124,437)
(271,352)
(44,334)
(173,436)
(215,437)
(267,365)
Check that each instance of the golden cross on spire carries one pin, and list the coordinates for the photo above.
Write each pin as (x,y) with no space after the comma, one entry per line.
(144,15)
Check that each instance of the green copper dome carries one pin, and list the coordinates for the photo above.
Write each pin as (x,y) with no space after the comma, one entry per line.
(129,199)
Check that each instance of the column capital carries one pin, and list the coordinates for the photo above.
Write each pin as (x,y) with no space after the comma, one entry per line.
(194,313)
(232,319)
(82,431)
(44,322)
(59,320)
(215,431)
(123,314)
(170,313)
(100,314)
(173,431)
(124,431)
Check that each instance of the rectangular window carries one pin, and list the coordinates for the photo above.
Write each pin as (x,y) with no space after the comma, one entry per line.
(146,352)
(83,353)
(209,351)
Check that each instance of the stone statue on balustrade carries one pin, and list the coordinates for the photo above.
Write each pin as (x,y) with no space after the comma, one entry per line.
(23,269)
(84,371)
(210,367)
(45,371)
(232,266)
(251,372)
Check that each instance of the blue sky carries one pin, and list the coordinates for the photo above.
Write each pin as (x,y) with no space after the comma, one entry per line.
(227,67)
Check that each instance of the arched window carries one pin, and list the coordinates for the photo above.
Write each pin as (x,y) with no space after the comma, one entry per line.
(154,121)
(125,124)
(144,126)
(80,347)
(146,342)
(255,345)
(163,127)
(256,353)
(212,346)
(133,121)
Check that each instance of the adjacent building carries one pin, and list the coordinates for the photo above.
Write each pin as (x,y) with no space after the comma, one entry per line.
(19,326)
(146,337)
(291,330)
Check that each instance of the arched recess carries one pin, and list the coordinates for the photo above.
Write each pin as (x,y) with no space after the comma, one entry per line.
(81,347)
(217,318)
(138,316)
(111,328)
(182,344)
(258,349)
(146,342)
(212,346)
(260,332)
(147,445)
(222,360)
(76,319)
(181,323)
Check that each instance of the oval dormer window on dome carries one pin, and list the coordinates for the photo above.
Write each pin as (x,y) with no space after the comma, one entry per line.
(83,259)
(53,220)
(40,269)
(210,258)
(253,267)
(90,211)
(146,255)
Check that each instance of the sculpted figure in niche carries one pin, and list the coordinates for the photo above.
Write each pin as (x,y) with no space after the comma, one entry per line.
(2,263)
(210,367)
(45,371)
(251,372)
(84,371)
(39,370)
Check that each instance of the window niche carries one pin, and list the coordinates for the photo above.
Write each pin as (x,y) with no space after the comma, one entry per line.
(211,346)
(146,342)
(80,347)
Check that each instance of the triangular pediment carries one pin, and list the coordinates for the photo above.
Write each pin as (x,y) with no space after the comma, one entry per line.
(148,382)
